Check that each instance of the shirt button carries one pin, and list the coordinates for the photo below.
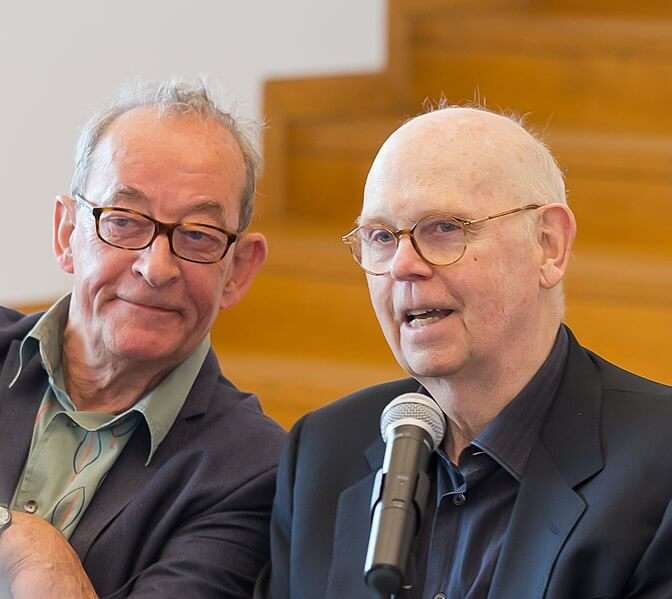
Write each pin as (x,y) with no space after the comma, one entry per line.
(439,596)
(30,507)
(459,499)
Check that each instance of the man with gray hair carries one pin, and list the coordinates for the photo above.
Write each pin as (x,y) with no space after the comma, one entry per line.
(129,466)
(551,478)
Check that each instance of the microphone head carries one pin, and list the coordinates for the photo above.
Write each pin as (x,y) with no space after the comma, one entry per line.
(415,409)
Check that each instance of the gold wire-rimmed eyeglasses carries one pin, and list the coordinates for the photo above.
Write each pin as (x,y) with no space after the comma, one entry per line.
(439,239)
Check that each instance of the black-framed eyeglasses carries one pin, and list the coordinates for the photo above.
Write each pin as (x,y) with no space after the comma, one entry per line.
(439,239)
(132,230)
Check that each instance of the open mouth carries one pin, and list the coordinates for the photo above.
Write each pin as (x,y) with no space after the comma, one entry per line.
(420,318)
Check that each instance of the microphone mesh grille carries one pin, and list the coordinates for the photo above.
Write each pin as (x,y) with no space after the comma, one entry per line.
(417,409)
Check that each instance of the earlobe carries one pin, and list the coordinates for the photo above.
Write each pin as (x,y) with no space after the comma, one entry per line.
(556,233)
(63,227)
(250,253)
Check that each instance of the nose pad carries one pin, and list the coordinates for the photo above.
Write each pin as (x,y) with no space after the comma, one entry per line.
(406,245)
(407,261)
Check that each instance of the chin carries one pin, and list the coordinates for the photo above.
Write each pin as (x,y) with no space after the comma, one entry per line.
(144,346)
(432,364)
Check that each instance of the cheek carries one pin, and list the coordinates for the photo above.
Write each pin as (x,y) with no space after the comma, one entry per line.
(500,292)
(380,292)
(204,289)
(96,264)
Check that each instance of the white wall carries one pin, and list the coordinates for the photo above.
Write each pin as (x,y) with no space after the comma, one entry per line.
(61,61)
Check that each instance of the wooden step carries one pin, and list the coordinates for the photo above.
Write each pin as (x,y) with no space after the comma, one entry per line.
(573,72)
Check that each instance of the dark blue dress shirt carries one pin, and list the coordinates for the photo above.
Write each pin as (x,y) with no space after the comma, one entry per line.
(466,522)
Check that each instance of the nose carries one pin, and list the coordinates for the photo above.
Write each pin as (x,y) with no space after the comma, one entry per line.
(407,263)
(156,264)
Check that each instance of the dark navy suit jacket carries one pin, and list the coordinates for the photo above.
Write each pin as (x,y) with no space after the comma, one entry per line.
(592,518)
(194,522)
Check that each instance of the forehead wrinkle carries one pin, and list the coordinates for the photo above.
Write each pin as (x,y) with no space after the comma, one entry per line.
(134,196)
(208,207)
(122,137)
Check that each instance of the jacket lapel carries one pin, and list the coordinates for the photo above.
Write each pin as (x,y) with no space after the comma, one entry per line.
(545,513)
(129,473)
(18,407)
(351,536)
(351,533)
(119,486)
(548,507)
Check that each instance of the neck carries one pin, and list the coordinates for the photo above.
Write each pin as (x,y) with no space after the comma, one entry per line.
(96,383)
(472,400)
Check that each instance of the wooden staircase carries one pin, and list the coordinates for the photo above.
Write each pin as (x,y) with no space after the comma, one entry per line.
(593,77)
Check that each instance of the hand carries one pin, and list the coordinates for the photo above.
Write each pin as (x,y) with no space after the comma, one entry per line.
(39,561)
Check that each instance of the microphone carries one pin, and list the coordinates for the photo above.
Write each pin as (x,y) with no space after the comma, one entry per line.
(412,426)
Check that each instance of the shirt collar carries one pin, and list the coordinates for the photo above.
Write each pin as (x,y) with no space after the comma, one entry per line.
(159,408)
(162,404)
(510,437)
(45,337)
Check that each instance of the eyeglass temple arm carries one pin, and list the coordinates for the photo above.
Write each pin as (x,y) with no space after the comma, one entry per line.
(82,201)
(477,221)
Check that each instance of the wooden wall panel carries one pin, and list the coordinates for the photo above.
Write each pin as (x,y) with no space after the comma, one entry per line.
(551,90)
(634,336)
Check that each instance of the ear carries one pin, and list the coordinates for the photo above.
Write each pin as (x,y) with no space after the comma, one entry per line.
(64,224)
(556,231)
(250,253)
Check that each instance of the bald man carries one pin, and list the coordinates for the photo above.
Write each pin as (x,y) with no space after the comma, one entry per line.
(553,479)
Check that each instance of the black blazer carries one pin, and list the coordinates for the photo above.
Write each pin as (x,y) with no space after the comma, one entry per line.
(592,518)
(194,523)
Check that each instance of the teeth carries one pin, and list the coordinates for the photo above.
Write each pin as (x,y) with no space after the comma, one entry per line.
(416,323)
(418,318)
(414,313)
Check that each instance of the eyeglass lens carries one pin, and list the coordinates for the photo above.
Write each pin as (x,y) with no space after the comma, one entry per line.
(134,231)
(439,239)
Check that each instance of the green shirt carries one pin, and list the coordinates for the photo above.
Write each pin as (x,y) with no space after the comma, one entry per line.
(71,451)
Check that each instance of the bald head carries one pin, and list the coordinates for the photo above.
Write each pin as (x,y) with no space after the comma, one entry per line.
(486,155)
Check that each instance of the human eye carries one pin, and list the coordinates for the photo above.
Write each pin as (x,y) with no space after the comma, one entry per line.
(377,236)
(199,237)
(119,224)
(120,221)
(194,235)
(439,227)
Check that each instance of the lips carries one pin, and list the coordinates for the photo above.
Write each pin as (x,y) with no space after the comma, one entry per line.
(421,317)
(149,305)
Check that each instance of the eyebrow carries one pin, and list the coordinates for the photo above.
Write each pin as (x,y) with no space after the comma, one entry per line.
(127,192)
(376,220)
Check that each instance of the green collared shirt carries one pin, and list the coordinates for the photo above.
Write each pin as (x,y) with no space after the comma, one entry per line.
(71,451)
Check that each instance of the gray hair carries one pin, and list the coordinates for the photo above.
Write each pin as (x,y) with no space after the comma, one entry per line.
(170,97)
